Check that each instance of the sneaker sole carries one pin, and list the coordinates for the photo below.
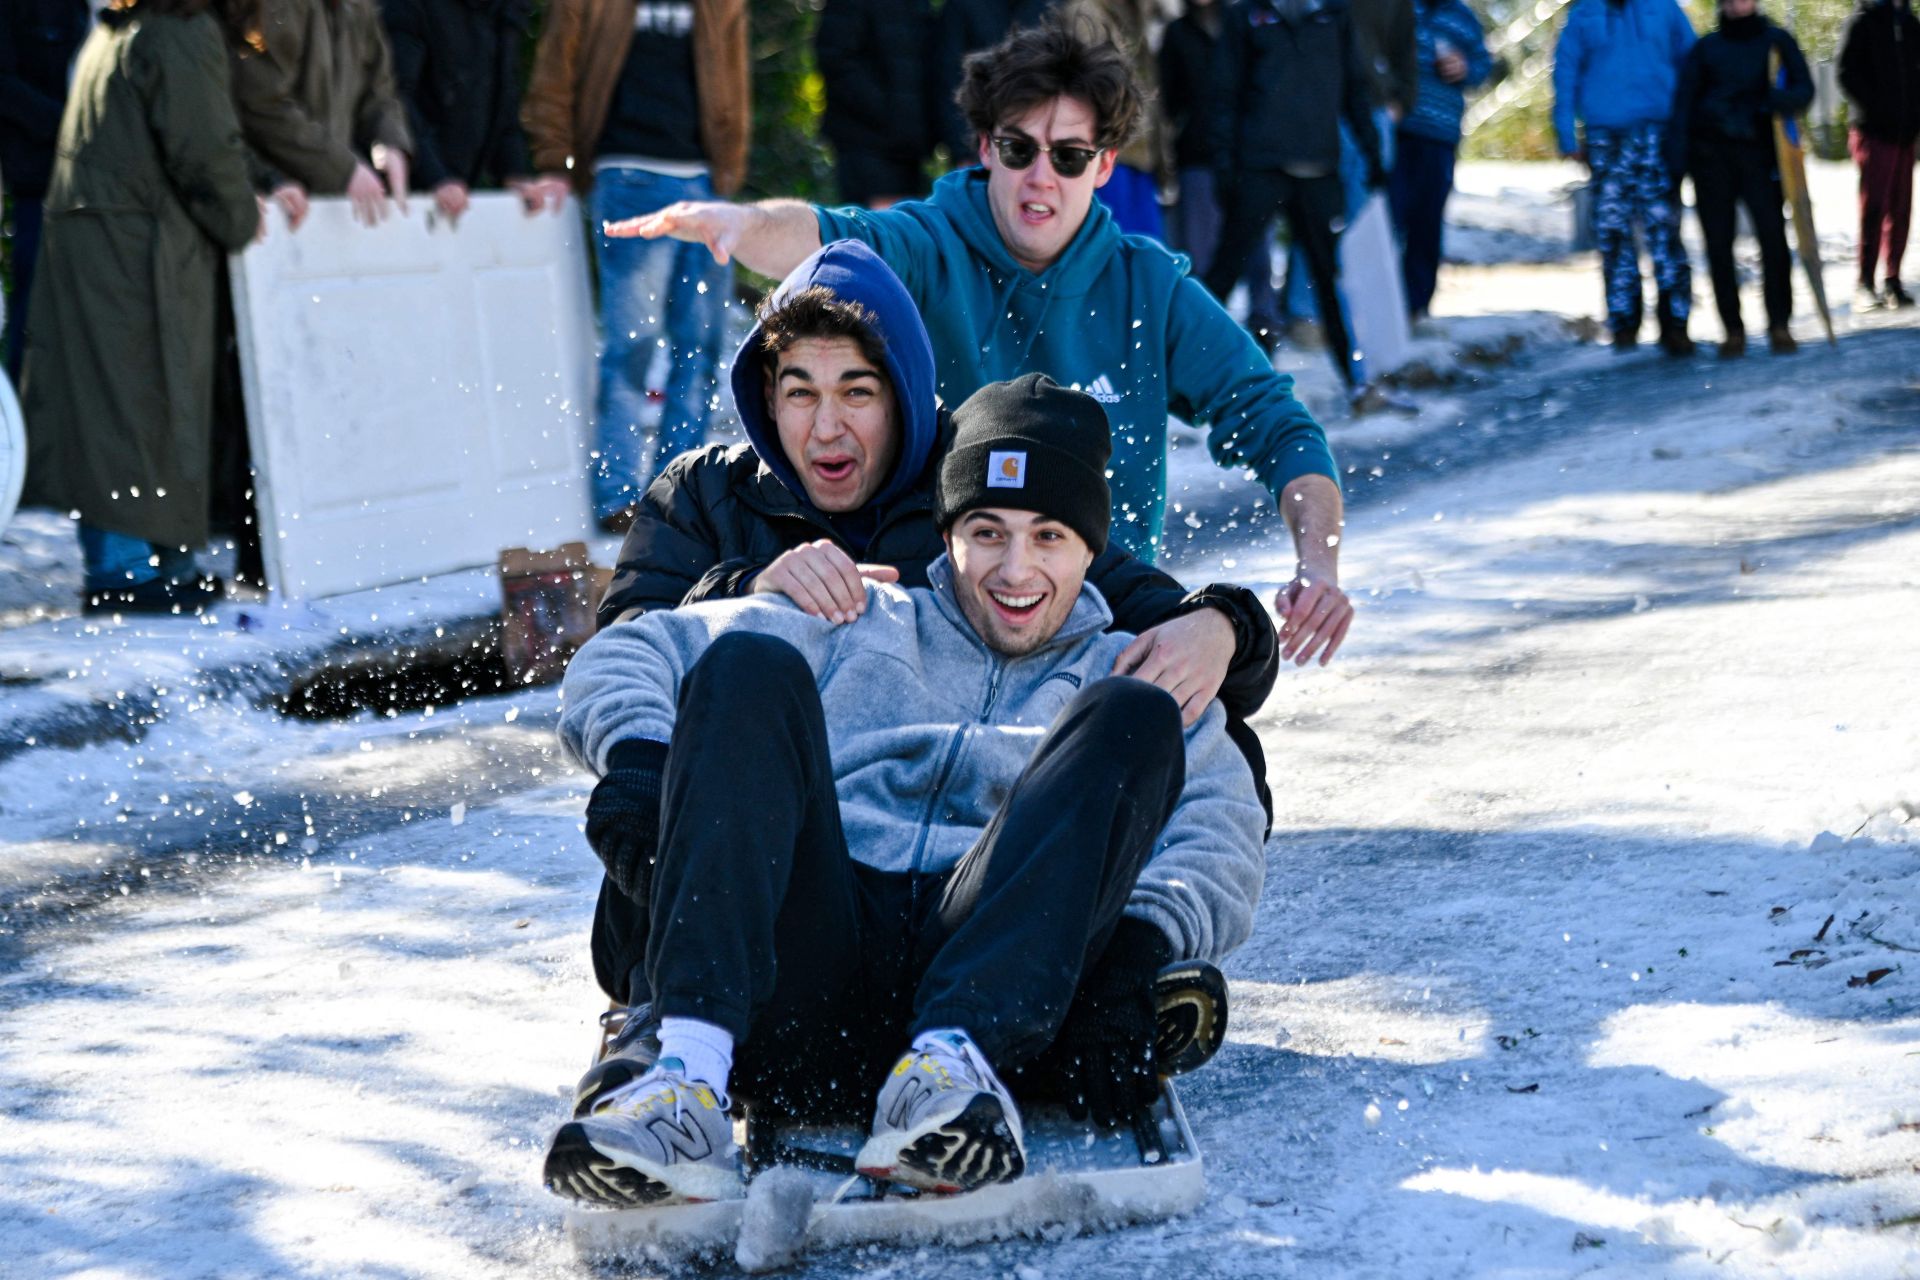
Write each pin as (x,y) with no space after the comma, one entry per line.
(581,1170)
(961,1153)
(1190,1013)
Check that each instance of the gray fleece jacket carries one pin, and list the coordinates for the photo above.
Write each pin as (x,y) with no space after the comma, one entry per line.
(928,729)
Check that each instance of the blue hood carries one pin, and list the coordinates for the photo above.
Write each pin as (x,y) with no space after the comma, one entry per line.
(853,273)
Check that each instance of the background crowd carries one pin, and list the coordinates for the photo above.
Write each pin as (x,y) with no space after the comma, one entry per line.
(142,143)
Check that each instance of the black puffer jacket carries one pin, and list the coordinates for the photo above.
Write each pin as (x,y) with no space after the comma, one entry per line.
(1727,93)
(1286,73)
(873,57)
(457,66)
(1186,89)
(1880,70)
(716,517)
(38,39)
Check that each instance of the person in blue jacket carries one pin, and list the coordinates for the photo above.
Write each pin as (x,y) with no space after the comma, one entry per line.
(1017,269)
(1615,70)
(1451,52)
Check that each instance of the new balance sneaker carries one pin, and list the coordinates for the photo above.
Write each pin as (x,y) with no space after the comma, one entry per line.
(944,1122)
(629,1046)
(663,1139)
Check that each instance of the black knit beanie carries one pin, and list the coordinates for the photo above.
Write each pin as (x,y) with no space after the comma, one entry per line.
(1031,445)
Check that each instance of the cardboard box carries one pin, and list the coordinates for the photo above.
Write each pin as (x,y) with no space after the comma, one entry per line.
(548,600)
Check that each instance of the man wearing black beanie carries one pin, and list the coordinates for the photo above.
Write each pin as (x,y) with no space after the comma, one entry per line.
(963,836)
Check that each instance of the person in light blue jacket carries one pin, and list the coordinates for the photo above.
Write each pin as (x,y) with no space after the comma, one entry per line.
(1615,70)
(942,825)
(1016,268)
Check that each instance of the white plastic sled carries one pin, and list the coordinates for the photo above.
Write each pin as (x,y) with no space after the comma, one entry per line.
(803,1194)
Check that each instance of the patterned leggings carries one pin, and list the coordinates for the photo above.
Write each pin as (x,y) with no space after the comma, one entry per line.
(1630,183)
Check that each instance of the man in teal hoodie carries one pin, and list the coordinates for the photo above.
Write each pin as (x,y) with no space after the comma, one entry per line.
(1016,268)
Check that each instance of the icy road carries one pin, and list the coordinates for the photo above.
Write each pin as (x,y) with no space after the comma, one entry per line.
(1588,946)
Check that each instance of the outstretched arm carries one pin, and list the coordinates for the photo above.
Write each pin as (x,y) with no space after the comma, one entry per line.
(771,237)
(1315,613)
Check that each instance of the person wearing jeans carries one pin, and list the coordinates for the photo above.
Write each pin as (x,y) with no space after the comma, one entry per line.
(644,105)
(653,294)
(1452,58)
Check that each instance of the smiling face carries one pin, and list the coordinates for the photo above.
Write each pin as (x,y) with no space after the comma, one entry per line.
(834,411)
(1036,211)
(1016,575)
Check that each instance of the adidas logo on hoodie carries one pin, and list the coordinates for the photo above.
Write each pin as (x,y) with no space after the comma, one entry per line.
(1101,389)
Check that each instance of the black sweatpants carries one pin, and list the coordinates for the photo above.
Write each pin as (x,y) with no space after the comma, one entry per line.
(1745,172)
(1316,210)
(823,968)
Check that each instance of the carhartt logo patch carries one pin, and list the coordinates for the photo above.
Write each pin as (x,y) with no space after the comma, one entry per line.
(1006,471)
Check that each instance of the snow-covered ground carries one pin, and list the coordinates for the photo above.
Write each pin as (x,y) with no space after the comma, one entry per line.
(1592,848)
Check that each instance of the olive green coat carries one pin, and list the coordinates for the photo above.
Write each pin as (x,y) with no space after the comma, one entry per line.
(149,188)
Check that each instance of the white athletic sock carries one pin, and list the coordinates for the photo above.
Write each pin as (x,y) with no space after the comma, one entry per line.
(924,1042)
(703,1048)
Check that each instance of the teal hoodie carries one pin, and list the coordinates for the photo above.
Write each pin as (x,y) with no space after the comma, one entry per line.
(1118,317)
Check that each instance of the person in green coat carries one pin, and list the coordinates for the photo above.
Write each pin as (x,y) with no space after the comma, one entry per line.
(150,186)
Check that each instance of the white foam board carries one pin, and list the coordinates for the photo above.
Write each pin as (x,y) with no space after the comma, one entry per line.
(418,393)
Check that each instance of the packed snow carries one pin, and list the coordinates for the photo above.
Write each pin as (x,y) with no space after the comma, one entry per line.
(1586,946)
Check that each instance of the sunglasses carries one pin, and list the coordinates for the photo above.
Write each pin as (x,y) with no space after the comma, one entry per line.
(1068,162)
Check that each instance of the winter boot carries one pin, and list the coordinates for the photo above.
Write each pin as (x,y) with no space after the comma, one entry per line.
(629,1047)
(944,1122)
(1673,334)
(1781,341)
(1734,345)
(663,1139)
(1895,296)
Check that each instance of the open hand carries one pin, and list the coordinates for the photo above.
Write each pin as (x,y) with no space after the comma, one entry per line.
(823,580)
(714,223)
(1314,617)
(1187,656)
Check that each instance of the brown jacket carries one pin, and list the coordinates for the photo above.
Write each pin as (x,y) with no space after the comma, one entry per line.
(322,94)
(578,63)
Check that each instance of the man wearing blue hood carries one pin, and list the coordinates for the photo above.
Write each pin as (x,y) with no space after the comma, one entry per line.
(835,389)
(1017,268)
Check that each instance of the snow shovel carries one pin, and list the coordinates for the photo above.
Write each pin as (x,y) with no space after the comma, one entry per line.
(1792,157)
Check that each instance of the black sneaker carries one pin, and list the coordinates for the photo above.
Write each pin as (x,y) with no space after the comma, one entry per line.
(1190,1006)
(629,1049)
(156,596)
(1895,296)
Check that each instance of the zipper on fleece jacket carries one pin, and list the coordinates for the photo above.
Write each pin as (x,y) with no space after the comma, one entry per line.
(995,669)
